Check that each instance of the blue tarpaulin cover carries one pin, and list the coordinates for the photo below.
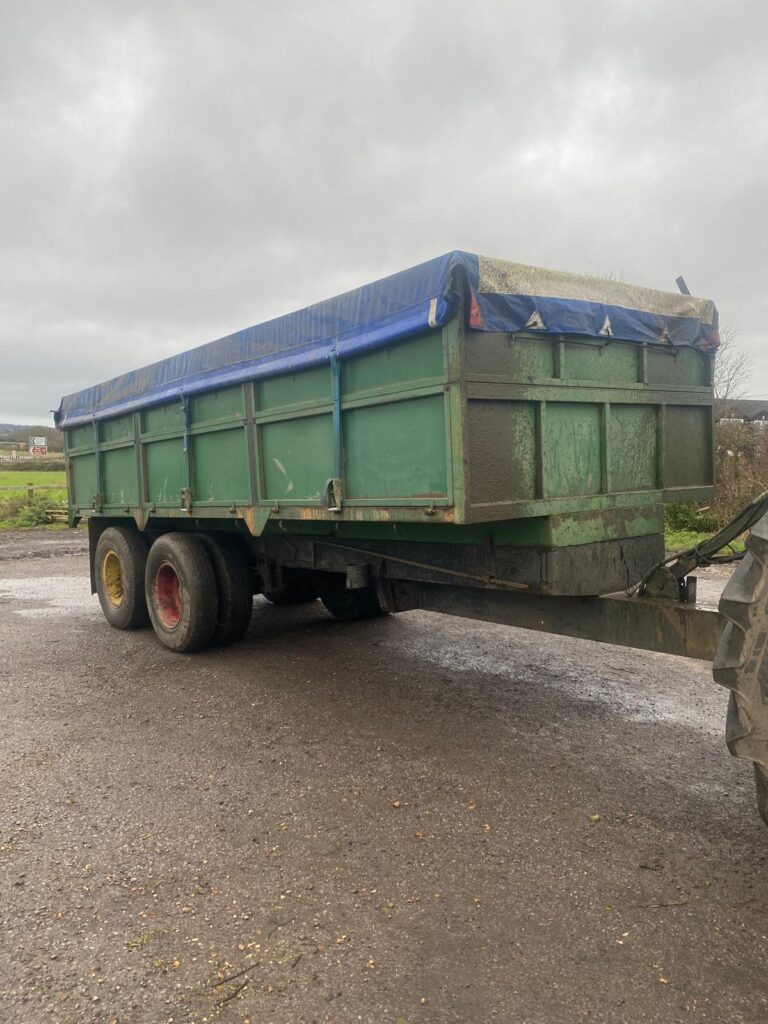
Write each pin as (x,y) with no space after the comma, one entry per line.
(499,296)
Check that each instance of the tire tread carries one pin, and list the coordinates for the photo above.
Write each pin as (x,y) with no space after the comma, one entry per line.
(191,561)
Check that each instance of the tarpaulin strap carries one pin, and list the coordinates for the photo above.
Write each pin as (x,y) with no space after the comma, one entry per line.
(338,453)
(187,460)
(97,455)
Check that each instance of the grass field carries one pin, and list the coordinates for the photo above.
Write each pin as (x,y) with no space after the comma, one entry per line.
(18,481)
(681,540)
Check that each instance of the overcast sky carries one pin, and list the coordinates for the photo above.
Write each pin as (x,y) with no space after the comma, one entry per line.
(173,171)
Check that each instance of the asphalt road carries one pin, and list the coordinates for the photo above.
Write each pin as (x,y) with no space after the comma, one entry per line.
(418,819)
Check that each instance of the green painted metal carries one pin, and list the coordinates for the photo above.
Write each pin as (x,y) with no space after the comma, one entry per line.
(467,437)
(298,458)
(409,450)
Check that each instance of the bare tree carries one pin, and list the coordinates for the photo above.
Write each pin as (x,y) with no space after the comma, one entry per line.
(733,367)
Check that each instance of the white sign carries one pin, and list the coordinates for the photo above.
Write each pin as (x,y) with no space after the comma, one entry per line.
(38,446)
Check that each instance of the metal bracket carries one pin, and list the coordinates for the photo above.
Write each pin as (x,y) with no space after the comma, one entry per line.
(256,518)
(185,499)
(334,495)
(665,584)
(97,503)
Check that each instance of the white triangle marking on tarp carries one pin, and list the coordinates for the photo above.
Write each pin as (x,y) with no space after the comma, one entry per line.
(606,330)
(535,322)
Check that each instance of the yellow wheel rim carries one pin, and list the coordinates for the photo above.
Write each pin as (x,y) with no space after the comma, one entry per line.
(112,577)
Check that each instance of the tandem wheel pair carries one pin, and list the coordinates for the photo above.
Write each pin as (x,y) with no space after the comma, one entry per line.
(197,590)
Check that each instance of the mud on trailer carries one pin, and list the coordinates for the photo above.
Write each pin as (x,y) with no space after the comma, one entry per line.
(469,436)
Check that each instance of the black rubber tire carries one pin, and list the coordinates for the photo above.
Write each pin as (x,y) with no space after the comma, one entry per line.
(126,549)
(297,588)
(351,605)
(183,556)
(741,660)
(233,587)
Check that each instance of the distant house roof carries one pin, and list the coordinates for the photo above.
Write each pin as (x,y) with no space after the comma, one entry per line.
(741,409)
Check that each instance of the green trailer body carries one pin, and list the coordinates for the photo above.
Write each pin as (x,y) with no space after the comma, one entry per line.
(512,439)
(402,418)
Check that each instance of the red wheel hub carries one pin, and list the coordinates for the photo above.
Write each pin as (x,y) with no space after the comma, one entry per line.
(166,595)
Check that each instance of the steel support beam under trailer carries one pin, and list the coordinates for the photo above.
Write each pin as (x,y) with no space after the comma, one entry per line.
(651,624)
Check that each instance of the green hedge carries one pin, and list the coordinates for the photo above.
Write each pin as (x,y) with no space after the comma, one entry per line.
(686,516)
(17,511)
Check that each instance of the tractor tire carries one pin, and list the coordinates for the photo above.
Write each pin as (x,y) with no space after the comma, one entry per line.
(741,660)
(351,605)
(233,588)
(119,561)
(182,598)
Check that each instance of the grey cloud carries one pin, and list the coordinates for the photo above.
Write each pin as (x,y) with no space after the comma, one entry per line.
(175,171)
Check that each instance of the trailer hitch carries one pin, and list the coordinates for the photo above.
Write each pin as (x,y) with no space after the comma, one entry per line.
(667,583)
(670,579)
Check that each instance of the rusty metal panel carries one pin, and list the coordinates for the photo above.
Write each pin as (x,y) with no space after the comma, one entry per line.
(568,424)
